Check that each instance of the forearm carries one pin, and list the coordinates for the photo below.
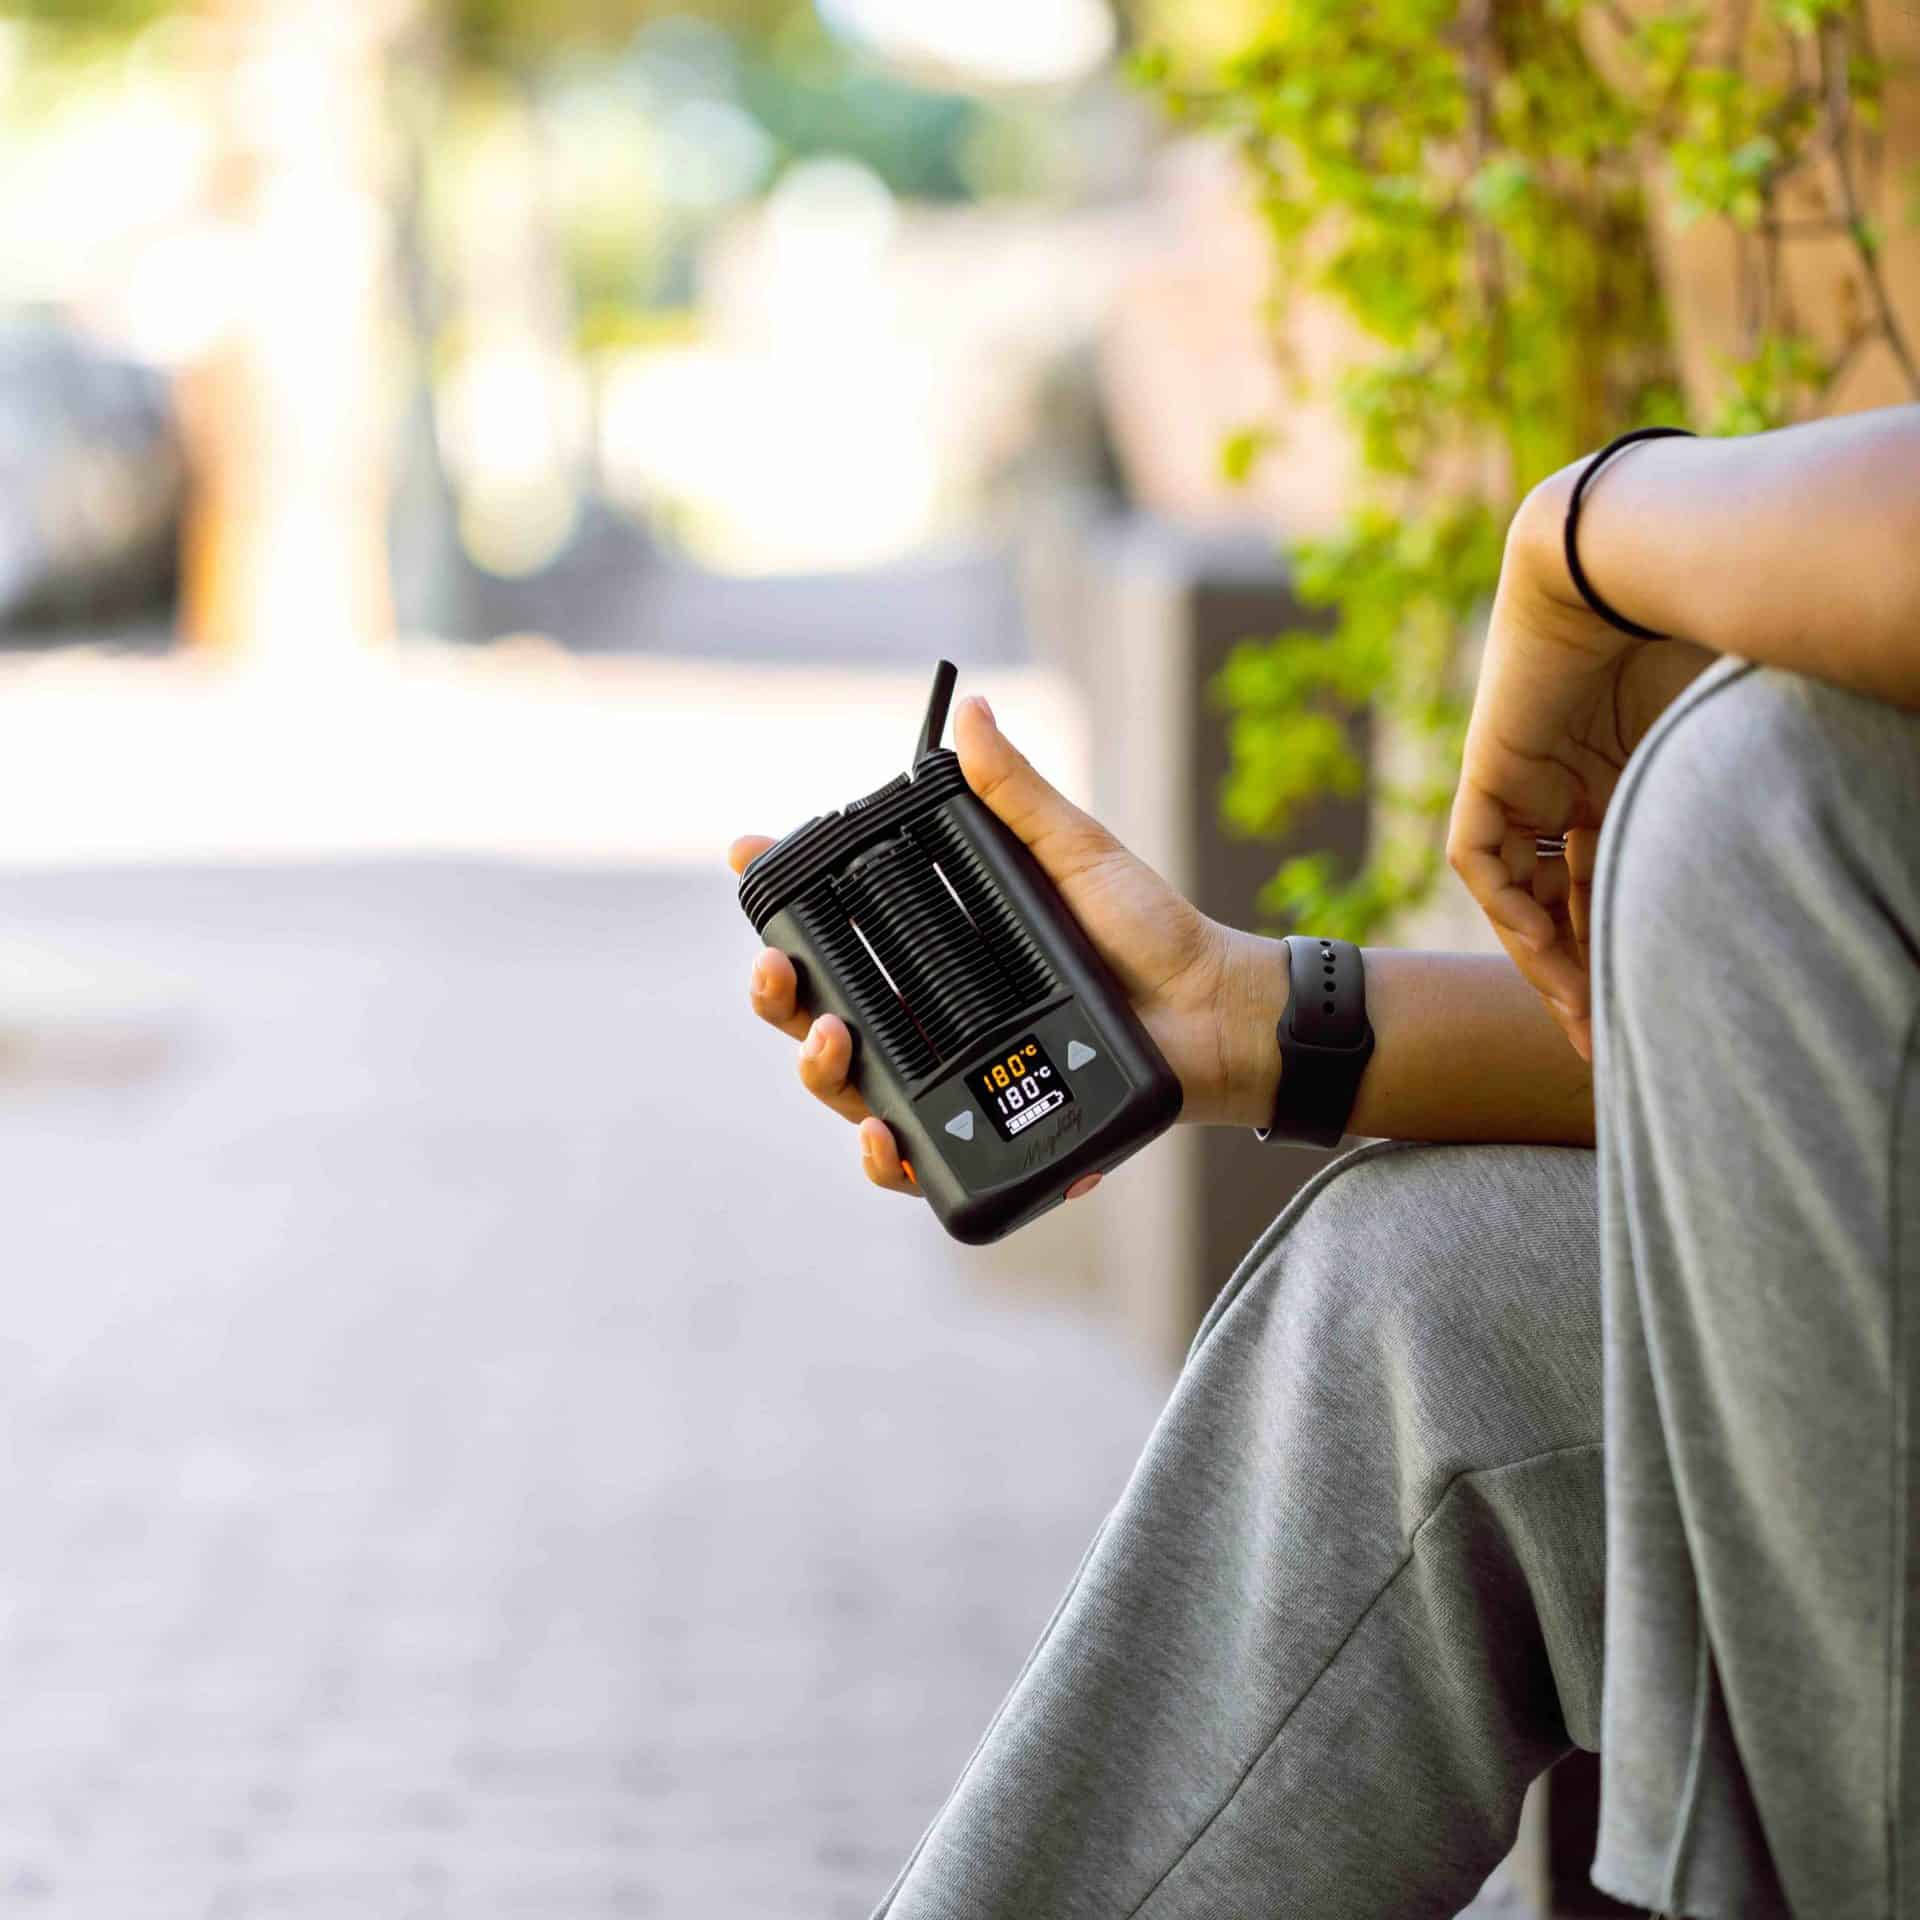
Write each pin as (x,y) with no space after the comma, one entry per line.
(1464,1050)
(1796,549)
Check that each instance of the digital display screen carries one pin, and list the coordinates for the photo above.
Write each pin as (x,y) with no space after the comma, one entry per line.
(1021,1088)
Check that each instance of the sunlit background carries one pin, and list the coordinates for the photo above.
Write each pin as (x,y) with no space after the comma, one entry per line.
(473,1443)
(406,373)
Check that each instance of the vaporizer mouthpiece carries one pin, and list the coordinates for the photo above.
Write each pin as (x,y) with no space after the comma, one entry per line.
(944,675)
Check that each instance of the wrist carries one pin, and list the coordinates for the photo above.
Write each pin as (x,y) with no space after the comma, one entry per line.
(1537,591)
(1599,557)
(1256,984)
(1536,553)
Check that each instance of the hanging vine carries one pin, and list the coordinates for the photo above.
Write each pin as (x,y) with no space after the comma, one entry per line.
(1477,183)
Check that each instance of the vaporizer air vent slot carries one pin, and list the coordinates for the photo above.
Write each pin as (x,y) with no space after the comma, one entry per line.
(1001,928)
(921,934)
(884,1020)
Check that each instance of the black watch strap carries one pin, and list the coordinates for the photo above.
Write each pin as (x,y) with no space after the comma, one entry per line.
(1326,1041)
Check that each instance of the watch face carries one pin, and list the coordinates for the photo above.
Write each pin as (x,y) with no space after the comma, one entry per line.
(1020,1088)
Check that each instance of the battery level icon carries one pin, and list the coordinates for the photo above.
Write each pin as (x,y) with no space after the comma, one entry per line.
(1038,1110)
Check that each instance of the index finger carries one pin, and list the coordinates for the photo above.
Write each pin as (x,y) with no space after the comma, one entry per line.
(1541,944)
(1558,976)
(1476,848)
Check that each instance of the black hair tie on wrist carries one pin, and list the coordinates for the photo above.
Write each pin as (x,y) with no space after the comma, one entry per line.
(1588,592)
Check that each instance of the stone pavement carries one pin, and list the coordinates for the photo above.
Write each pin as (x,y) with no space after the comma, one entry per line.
(469,1442)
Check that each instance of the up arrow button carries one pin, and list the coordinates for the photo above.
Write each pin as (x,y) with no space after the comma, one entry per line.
(961,1125)
(1079,1053)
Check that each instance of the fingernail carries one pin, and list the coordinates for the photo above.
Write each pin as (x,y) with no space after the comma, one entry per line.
(986,712)
(760,981)
(816,1039)
(1085,1184)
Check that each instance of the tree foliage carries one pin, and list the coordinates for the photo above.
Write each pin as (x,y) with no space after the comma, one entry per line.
(522,33)
(1476,183)
(87,19)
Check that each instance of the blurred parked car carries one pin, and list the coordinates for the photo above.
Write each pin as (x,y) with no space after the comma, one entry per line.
(92,485)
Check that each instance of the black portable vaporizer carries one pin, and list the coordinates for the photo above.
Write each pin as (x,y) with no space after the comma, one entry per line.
(987,1032)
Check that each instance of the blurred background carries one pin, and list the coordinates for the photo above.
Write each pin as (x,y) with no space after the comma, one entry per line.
(473,1443)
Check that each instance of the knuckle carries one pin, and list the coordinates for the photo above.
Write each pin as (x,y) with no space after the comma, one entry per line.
(1090,848)
(994,782)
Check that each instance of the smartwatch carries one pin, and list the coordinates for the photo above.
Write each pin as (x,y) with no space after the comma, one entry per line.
(1325,1040)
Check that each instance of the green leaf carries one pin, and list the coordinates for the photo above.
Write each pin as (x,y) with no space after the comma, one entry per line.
(1242,451)
(1150,67)
(1500,186)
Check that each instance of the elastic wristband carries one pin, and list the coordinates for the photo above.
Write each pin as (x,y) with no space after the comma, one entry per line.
(1588,592)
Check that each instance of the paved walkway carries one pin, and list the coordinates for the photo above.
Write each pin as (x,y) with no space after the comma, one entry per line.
(469,1444)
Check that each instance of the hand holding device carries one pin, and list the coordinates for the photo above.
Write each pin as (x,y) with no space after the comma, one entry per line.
(1169,962)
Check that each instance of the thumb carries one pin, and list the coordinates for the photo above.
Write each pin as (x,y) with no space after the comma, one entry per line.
(1058,834)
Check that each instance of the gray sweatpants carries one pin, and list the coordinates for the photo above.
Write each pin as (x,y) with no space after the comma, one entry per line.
(1484,1453)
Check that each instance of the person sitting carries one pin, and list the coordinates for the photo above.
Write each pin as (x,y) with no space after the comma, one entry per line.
(1576,1410)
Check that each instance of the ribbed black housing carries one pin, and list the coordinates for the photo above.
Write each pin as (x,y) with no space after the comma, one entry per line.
(1006,935)
(883,1020)
(943,968)
(898,784)
(793,867)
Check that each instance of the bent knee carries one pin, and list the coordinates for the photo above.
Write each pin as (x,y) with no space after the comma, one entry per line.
(1764,817)
(1453,1291)
(1392,1227)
